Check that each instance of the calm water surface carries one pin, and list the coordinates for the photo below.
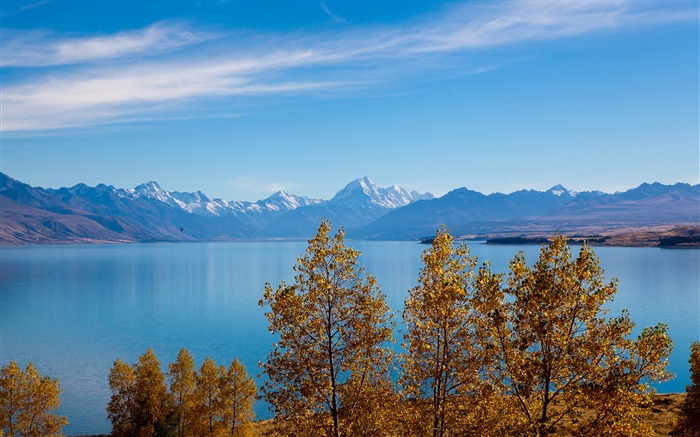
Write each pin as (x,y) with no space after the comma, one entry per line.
(73,310)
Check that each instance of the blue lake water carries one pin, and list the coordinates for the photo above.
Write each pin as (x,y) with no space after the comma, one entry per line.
(73,310)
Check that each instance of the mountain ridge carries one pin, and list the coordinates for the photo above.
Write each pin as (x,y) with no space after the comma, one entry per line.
(148,212)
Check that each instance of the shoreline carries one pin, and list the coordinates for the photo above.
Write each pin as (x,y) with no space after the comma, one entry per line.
(672,236)
(666,237)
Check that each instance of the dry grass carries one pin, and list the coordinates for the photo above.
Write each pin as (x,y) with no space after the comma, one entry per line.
(665,409)
(660,415)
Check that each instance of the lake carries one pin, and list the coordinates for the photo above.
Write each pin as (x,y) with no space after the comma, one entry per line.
(72,310)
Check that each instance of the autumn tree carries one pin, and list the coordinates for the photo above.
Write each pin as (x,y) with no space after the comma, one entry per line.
(560,359)
(689,418)
(206,394)
(151,395)
(181,377)
(237,395)
(328,374)
(210,402)
(139,404)
(121,408)
(444,370)
(27,402)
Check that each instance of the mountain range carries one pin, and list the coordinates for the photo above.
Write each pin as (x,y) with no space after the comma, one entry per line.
(149,213)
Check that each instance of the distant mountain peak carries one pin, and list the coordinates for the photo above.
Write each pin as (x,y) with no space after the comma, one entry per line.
(151,190)
(150,185)
(362,192)
(283,201)
(560,190)
(280,195)
(148,188)
(363,184)
(80,186)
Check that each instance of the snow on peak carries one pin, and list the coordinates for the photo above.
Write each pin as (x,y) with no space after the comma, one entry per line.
(361,185)
(199,203)
(149,186)
(366,184)
(559,190)
(196,203)
(281,201)
(151,190)
(363,192)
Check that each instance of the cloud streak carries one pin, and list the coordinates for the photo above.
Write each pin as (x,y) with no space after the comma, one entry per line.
(33,5)
(154,72)
(40,49)
(334,17)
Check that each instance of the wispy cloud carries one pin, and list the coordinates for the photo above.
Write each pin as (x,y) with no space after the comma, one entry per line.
(145,90)
(33,5)
(152,72)
(37,49)
(334,17)
(13,10)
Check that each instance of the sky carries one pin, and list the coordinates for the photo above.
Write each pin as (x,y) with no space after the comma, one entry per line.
(240,99)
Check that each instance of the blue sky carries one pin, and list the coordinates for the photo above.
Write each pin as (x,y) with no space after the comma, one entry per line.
(241,99)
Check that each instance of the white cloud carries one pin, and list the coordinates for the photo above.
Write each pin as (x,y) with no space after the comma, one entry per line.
(142,91)
(37,49)
(151,73)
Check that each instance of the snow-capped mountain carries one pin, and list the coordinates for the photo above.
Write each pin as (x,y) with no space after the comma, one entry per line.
(198,203)
(359,203)
(283,202)
(195,203)
(364,193)
(559,190)
(151,190)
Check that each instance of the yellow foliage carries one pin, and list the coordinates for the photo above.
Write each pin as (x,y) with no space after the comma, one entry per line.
(206,410)
(328,374)
(27,400)
(444,374)
(558,356)
(121,408)
(213,401)
(182,389)
(237,396)
(139,404)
